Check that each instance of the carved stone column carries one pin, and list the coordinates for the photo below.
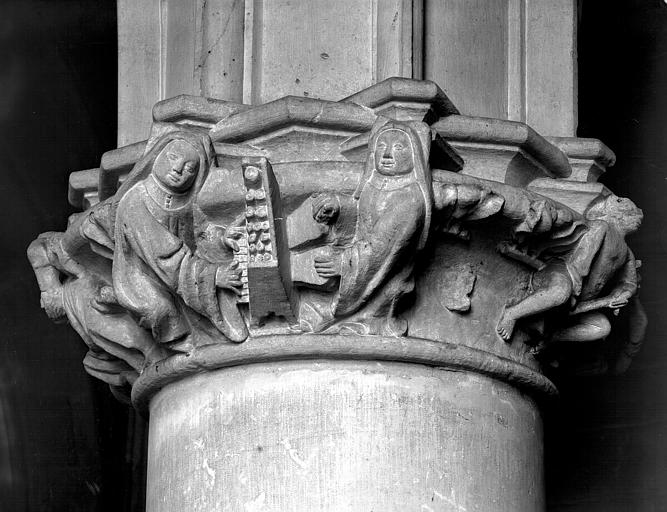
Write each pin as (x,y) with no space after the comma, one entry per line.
(339,305)
(349,423)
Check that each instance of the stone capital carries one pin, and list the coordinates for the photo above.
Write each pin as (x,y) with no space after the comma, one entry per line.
(383,238)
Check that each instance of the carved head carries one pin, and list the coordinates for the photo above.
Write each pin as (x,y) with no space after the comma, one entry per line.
(394,154)
(620,212)
(176,166)
(399,148)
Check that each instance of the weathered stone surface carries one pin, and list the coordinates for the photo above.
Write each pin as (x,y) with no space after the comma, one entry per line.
(511,59)
(383,248)
(338,435)
(364,225)
(457,284)
(524,375)
(344,304)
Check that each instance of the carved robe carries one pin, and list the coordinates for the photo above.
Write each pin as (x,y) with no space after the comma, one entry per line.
(378,269)
(394,214)
(154,261)
(113,337)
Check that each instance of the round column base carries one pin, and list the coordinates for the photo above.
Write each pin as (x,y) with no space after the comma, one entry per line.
(324,435)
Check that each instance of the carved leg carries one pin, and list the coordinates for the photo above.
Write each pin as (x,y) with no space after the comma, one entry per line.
(637,323)
(506,323)
(553,288)
(114,330)
(589,327)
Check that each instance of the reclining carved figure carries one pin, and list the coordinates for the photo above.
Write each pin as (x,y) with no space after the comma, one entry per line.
(118,348)
(594,271)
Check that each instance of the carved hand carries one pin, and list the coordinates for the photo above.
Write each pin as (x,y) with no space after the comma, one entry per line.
(229,241)
(327,266)
(52,302)
(326,208)
(229,278)
(620,299)
(105,300)
(215,237)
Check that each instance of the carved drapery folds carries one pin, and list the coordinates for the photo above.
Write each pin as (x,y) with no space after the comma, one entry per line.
(387,221)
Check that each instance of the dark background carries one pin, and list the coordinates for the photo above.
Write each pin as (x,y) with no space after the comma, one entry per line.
(607,441)
(66,444)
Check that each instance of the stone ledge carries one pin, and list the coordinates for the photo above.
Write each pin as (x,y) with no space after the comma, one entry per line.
(187,108)
(291,111)
(82,189)
(276,348)
(116,163)
(480,130)
(589,158)
(419,96)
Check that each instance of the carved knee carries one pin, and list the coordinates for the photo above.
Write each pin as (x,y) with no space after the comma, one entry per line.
(554,282)
(593,326)
(560,286)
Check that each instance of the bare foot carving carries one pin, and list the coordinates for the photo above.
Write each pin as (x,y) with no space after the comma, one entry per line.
(505,326)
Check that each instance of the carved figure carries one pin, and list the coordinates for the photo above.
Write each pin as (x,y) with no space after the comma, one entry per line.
(597,271)
(118,348)
(392,211)
(155,269)
(77,283)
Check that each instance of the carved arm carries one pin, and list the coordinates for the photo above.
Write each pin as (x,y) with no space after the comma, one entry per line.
(455,203)
(624,289)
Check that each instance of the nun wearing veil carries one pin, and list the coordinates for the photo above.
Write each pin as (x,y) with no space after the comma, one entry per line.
(393,210)
(156,269)
(393,204)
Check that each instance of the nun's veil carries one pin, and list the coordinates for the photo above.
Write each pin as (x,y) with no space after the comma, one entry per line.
(420,137)
(202,144)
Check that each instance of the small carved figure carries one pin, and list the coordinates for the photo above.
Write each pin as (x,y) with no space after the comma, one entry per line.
(597,271)
(155,268)
(392,210)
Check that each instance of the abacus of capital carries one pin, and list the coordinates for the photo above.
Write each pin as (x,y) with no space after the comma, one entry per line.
(339,304)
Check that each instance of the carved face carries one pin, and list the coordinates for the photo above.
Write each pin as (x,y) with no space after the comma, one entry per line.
(627,216)
(393,153)
(176,166)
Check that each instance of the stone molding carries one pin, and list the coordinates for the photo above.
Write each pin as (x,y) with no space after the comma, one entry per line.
(279,348)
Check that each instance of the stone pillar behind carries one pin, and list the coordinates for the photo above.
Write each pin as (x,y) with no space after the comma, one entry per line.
(507,59)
